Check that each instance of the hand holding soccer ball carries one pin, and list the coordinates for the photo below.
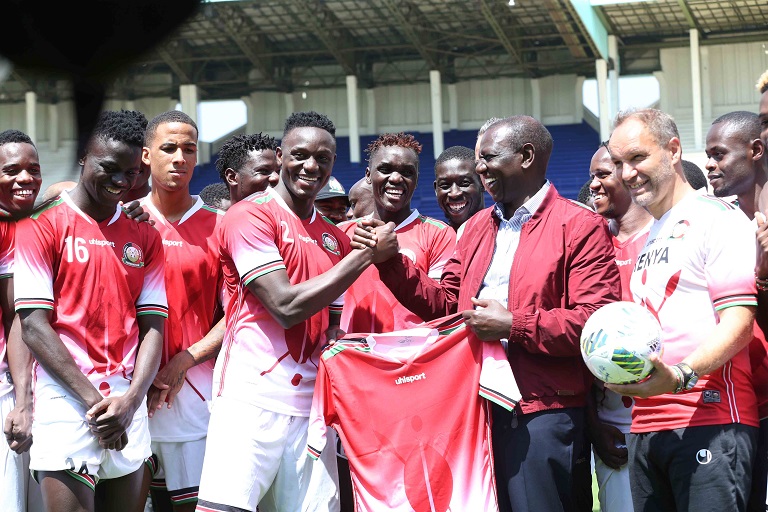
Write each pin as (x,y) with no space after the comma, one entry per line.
(618,340)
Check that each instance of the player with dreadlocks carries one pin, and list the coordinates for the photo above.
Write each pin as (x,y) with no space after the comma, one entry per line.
(393,172)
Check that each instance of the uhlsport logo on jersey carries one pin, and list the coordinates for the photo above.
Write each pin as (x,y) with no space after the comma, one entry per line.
(133,255)
(331,244)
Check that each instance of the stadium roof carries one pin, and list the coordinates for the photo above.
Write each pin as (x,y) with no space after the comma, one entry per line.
(230,49)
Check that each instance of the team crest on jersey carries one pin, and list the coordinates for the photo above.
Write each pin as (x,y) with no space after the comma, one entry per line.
(331,244)
(133,255)
(679,229)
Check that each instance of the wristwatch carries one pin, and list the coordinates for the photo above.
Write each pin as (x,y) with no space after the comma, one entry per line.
(690,377)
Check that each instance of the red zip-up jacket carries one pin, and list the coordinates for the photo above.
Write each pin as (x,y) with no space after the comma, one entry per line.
(563,270)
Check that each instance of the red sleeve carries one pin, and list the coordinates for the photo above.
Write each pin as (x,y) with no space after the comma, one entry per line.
(591,281)
(418,292)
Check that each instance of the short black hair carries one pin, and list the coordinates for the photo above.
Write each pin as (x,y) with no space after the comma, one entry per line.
(14,136)
(746,124)
(126,126)
(694,175)
(456,153)
(170,116)
(584,193)
(214,194)
(525,130)
(310,119)
(234,152)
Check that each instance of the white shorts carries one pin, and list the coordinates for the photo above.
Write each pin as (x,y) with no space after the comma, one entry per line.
(14,466)
(179,465)
(259,457)
(63,441)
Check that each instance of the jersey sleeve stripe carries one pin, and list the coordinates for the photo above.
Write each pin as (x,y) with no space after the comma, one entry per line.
(497,398)
(6,275)
(152,309)
(734,300)
(314,453)
(342,344)
(262,270)
(33,304)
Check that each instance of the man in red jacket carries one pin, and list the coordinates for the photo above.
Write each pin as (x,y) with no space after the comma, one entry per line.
(529,270)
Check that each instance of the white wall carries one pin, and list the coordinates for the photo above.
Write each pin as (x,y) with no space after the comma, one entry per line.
(729,73)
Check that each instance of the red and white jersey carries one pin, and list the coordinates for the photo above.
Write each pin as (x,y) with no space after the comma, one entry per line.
(698,260)
(7,230)
(626,256)
(96,277)
(613,408)
(193,280)
(758,357)
(369,306)
(261,362)
(411,410)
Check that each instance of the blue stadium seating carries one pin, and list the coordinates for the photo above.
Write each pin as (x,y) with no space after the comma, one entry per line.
(568,168)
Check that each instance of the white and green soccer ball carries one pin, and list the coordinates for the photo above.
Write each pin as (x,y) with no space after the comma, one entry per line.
(617,341)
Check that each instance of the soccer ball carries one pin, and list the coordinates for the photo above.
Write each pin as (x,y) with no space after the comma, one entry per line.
(617,341)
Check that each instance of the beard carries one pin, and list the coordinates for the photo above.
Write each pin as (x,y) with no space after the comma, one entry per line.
(657,183)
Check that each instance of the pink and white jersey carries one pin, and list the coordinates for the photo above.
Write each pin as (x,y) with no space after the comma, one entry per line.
(699,259)
(261,362)
(96,277)
(411,410)
(613,408)
(7,230)
(193,281)
(369,306)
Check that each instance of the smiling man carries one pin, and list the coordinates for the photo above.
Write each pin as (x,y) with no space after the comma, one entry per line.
(458,187)
(694,423)
(609,415)
(20,179)
(528,271)
(19,182)
(90,295)
(285,267)
(393,172)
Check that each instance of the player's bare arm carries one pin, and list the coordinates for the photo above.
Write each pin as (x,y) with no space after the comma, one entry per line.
(732,334)
(290,303)
(111,416)
(761,264)
(50,352)
(18,422)
(170,379)
(607,440)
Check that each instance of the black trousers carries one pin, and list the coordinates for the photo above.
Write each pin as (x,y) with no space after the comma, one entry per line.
(534,458)
(694,468)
